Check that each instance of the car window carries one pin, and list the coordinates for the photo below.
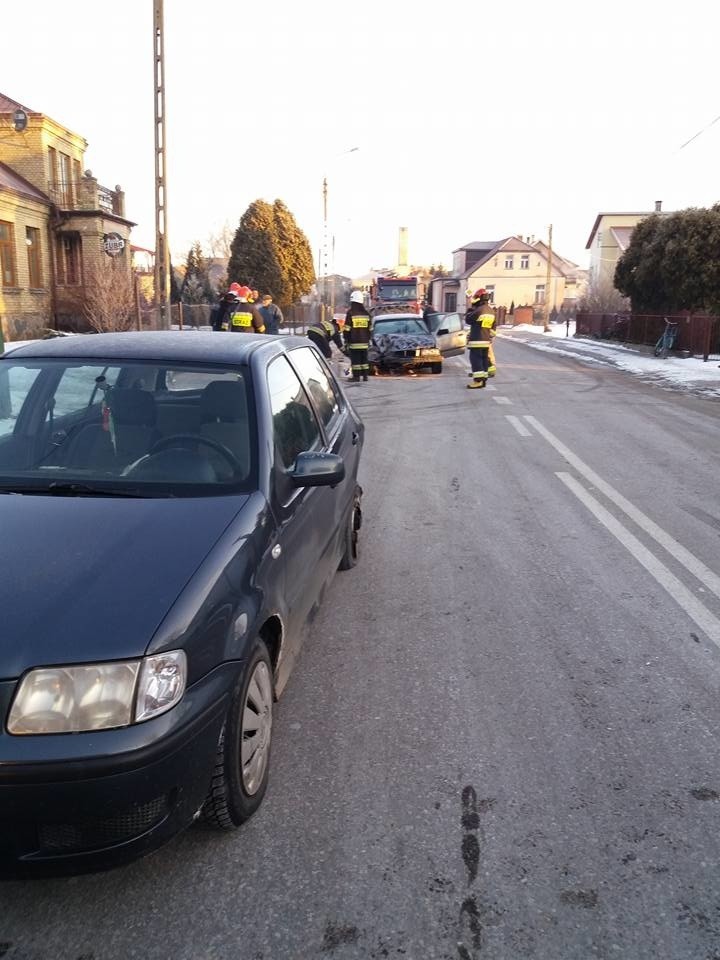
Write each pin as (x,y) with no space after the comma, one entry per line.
(104,428)
(406,327)
(451,322)
(15,382)
(319,385)
(295,427)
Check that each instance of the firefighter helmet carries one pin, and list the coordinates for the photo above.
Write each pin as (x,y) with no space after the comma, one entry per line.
(243,292)
(357,297)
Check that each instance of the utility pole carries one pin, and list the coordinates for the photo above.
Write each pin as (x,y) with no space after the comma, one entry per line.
(548,281)
(162,251)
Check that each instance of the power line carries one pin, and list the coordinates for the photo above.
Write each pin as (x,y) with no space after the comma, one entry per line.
(696,135)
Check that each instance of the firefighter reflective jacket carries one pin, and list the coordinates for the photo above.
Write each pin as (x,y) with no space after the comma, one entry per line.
(327,329)
(245,318)
(481,318)
(358,327)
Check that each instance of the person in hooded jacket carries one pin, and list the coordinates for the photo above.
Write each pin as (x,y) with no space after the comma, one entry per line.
(357,331)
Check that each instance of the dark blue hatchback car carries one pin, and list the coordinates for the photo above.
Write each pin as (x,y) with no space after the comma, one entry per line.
(172,507)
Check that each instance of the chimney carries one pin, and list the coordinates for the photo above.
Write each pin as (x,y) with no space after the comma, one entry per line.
(658,206)
(403,264)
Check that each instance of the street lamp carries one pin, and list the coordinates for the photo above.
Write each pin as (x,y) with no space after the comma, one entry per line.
(324,298)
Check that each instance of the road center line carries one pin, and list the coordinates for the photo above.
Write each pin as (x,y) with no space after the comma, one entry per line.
(683,556)
(519,425)
(708,623)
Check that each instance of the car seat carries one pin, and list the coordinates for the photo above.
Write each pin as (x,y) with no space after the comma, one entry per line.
(224,418)
(134,421)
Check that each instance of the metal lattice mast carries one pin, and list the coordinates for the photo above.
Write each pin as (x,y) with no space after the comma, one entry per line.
(162,251)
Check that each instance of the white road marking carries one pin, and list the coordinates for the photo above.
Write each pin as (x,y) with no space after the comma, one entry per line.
(502,400)
(707,622)
(683,556)
(519,425)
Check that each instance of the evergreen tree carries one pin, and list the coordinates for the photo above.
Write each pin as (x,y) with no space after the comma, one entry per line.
(196,286)
(253,251)
(294,254)
(270,253)
(673,263)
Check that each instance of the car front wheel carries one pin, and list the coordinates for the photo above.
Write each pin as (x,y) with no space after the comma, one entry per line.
(243,754)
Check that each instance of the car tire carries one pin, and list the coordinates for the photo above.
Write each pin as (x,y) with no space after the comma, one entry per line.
(351,553)
(240,778)
(436,368)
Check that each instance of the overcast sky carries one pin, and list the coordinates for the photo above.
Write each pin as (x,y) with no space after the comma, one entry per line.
(473,122)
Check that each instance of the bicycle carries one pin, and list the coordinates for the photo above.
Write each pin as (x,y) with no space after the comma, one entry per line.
(667,339)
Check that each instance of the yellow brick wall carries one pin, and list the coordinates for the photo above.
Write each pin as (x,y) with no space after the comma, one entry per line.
(23,310)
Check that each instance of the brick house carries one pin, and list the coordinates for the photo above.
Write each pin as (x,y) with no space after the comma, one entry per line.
(58,225)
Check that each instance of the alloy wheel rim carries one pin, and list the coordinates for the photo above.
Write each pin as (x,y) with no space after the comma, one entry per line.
(256,729)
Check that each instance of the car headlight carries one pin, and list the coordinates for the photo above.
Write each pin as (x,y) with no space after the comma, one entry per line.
(97,696)
(428,352)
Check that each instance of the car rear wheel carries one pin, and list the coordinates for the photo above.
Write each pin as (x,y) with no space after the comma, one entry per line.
(243,754)
(436,368)
(351,553)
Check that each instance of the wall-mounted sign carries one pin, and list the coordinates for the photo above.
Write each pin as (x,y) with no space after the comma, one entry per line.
(113,244)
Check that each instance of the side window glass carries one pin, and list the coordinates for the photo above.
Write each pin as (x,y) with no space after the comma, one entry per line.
(295,428)
(319,385)
(453,322)
(79,388)
(15,382)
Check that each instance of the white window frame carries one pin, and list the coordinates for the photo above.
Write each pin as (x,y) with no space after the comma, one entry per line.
(509,261)
(525,261)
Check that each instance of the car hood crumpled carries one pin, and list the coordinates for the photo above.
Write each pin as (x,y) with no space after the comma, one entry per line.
(386,342)
(86,579)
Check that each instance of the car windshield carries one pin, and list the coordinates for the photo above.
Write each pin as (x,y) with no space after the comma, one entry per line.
(403,326)
(125,428)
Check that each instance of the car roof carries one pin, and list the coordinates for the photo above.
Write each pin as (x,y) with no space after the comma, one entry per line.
(174,345)
(397,316)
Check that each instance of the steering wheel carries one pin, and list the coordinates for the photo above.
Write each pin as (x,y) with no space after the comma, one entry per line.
(185,439)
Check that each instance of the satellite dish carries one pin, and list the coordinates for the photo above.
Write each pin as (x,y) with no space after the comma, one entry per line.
(20,120)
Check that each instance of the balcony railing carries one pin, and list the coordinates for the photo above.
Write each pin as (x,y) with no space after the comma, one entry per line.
(87,194)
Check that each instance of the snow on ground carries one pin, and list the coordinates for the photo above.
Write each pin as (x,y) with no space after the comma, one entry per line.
(691,374)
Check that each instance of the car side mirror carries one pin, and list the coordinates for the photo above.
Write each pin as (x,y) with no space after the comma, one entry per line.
(441,333)
(318,470)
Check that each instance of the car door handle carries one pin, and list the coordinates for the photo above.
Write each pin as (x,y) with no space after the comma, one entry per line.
(355,437)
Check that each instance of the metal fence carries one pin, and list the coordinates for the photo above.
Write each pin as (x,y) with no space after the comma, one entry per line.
(697,335)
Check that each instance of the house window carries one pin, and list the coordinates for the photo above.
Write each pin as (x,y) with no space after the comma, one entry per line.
(450,302)
(7,254)
(65,185)
(540,293)
(509,262)
(525,261)
(599,238)
(490,291)
(68,251)
(53,178)
(32,239)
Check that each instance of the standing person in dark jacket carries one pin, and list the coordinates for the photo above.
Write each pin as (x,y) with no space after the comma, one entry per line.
(219,314)
(481,318)
(271,314)
(244,317)
(324,332)
(358,330)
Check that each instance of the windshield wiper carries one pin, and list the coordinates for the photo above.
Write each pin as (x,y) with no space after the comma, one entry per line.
(60,488)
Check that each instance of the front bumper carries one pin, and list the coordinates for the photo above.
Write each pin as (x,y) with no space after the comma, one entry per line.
(82,802)
(403,360)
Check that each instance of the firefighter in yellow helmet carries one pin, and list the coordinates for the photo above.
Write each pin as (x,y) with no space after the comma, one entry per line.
(481,318)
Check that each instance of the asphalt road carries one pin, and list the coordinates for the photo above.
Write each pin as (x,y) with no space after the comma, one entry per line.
(501,739)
